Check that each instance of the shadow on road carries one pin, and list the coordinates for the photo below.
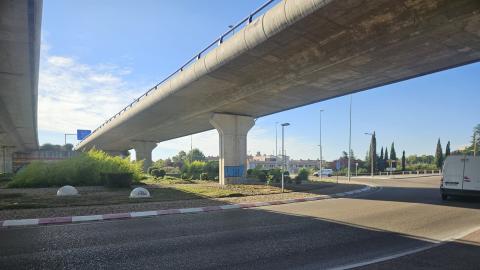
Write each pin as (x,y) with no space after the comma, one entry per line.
(236,239)
(422,195)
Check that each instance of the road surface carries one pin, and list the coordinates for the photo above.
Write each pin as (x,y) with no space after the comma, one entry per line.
(368,231)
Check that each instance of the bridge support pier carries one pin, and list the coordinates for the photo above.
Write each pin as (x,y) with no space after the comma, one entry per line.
(143,151)
(6,159)
(232,130)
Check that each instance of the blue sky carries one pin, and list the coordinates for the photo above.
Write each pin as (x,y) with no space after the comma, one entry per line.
(97,56)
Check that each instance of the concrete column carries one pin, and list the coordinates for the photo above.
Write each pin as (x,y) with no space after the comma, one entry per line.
(143,151)
(232,130)
(6,159)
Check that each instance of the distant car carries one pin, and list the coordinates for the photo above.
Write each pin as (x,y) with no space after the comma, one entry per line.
(461,176)
(325,172)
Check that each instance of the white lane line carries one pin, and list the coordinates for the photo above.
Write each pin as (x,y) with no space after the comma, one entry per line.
(408,252)
(386,258)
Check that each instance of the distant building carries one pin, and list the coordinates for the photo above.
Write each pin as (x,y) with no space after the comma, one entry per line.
(268,162)
(22,159)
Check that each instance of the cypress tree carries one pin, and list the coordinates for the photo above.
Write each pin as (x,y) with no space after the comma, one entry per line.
(447,150)
(393,155)
(381,166)
(373,154)
(439,155)
(403,161)
(385,159)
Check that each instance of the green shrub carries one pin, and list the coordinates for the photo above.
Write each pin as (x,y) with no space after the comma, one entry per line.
(84,169)
(297,180)
(287,179)
(117,180)
(275,175)
(158,173)
(262,176)
(204,176)
(303,174)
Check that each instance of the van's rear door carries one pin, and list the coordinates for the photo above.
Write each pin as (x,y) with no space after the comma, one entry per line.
(453,172)
(471,175)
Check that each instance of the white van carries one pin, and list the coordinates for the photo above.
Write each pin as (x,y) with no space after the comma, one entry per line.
(325,172)
(461,176)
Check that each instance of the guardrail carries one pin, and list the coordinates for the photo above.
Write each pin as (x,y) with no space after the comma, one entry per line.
(199,55)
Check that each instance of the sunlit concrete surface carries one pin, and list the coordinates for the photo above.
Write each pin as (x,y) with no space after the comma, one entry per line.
(20,22)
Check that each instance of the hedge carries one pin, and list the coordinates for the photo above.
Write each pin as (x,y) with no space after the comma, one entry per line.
(84,169)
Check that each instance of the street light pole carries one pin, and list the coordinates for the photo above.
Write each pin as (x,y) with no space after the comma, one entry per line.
(283,154)
(276,146)
(320,145)
(350,141)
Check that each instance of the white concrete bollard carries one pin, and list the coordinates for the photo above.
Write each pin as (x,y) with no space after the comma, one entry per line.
(139,192)
(67,191)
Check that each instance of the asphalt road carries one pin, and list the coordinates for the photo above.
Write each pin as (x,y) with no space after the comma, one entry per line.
(405,215)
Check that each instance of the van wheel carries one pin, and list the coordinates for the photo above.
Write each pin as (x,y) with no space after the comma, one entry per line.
(444,197)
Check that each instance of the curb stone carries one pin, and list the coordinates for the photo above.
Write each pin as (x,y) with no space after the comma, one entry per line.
(130,215)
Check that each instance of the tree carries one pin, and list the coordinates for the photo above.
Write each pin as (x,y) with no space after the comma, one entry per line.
(385,158)
(195,155)
(439,155)
(373,154)
(381,165)
(179,159)
(403,161)
(447,150)
(68,147)
(476,138)
(393,154)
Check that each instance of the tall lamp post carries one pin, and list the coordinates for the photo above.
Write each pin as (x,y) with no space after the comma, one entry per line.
(350,142)
(371,154)
(276,146)
(283,154)
(320,145)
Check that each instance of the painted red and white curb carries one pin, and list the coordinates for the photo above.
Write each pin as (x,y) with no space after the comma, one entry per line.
(129,215)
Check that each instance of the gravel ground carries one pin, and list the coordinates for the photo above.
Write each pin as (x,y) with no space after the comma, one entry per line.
(118,208)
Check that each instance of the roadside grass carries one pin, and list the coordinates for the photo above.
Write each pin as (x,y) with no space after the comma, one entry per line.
(161,190)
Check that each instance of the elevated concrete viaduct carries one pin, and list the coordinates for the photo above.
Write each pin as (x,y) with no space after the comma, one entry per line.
(297,52)
(19,62)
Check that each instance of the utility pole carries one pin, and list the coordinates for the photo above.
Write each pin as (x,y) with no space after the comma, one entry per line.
(320,145)
(350,141)
(276,146)
(284,164)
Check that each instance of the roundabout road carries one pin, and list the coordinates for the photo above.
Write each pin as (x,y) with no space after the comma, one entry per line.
(404,217)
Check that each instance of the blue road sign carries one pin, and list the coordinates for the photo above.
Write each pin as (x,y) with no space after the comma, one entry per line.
(82,134)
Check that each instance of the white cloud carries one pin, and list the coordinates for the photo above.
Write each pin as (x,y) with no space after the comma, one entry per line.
(60,61)
(75,95)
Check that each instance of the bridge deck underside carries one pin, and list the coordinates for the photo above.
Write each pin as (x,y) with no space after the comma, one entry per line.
(341,48)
